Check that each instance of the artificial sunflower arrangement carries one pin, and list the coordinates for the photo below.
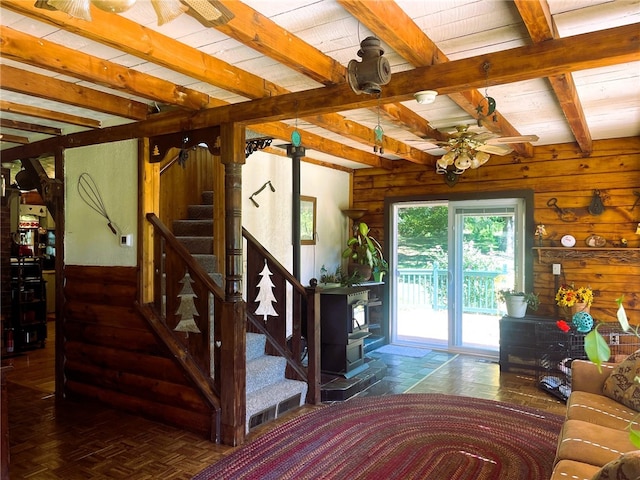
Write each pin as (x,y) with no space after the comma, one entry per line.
(568,295)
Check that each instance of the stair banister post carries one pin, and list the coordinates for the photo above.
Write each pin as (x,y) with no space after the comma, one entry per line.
(233,322)
(313,345)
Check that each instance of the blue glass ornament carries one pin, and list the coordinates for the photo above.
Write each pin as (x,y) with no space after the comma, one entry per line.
(582,321)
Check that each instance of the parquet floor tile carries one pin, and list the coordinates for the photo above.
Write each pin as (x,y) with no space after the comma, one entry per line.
(86,441)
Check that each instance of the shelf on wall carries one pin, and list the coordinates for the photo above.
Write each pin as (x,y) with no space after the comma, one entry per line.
(550,255)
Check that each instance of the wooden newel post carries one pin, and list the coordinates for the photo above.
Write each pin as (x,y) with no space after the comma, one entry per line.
(313,344)
(233,321)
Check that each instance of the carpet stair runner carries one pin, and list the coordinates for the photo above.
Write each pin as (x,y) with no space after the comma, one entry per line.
(269,393)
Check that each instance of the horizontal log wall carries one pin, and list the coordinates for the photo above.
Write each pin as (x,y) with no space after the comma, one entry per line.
(111,354)
(557,171)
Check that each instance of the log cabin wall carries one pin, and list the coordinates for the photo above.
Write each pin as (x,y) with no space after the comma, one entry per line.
(111,354)
(558,171)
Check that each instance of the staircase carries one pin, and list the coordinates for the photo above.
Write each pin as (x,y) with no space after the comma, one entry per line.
(268,392)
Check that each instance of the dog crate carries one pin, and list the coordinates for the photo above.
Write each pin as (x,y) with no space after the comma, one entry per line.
(557,349)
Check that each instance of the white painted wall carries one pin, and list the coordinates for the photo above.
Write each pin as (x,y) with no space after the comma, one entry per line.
(87,238)
(113,166)
(271,222)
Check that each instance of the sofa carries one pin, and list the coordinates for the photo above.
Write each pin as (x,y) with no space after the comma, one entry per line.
(594,441)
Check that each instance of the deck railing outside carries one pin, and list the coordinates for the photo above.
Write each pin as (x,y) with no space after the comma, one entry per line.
(429,287)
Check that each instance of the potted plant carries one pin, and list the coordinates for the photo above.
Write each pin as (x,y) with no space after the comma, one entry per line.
(518,302)
(364,252)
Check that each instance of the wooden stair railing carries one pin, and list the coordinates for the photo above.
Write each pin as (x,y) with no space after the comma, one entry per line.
(193,350)
(303,309)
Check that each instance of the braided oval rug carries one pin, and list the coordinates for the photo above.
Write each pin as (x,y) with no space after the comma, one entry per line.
(407,436)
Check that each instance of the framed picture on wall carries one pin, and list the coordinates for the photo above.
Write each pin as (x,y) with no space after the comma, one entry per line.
(307,220)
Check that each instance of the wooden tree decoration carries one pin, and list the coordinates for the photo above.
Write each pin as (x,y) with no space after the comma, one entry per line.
(265,296)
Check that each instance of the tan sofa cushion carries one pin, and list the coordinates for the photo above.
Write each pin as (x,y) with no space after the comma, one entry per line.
(593,444)
(621,385)
(587,377)
(599,410)
(571,470)
(626,467)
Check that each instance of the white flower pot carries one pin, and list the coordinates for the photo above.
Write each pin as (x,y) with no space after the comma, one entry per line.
(516,306)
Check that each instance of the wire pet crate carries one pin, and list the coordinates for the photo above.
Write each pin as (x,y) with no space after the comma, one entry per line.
(557,349)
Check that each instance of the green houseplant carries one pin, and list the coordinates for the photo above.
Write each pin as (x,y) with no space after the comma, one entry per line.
(518,302)
(364,253)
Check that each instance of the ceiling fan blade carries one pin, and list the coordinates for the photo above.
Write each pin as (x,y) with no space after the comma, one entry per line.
(495,149)
(517,139)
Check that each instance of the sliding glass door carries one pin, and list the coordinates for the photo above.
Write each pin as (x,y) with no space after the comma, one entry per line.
(449,259)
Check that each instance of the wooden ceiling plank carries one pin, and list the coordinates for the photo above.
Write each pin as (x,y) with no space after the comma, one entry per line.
(5,137)
(29,127)
(416,47)
(31,111)
(45,54)
(265,36)
(590,50)
(541,27)
(131,37)
(17,80)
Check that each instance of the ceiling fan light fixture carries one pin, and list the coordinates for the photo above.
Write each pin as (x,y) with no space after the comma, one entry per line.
(113,6)
(168,10)
(425,97)
(74,8)
(482,158)
(209,12)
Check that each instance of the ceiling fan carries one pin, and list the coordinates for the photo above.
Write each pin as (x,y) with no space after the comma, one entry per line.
(467,149)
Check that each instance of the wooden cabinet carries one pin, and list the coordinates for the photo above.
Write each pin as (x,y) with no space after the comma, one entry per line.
(519,344)
(28,303)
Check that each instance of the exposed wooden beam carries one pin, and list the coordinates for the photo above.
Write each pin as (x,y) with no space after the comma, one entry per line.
(43,113)
(42,53)
(590,50)
(264,35)
(267,37)
(131,37)
(316,142)
(539,22)
(29,127)
(283,153)
(5,137)
(412,44)
(189,61)
(17,80)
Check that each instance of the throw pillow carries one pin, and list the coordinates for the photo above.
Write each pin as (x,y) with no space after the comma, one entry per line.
(626,467)
(621,385)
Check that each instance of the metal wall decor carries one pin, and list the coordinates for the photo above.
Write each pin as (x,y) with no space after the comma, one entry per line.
(255,145)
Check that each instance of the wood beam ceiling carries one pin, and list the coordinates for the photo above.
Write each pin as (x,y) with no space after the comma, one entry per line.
(31,111)
(589,50)
(418,49)
(29,83)
(168,52)
(539,22)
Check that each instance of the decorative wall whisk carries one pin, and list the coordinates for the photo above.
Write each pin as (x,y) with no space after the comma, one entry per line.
(89,193)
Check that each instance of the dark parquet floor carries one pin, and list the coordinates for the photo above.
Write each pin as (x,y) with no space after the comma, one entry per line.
(87,441)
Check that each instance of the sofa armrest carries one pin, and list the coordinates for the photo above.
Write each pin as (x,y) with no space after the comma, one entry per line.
(585,376)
